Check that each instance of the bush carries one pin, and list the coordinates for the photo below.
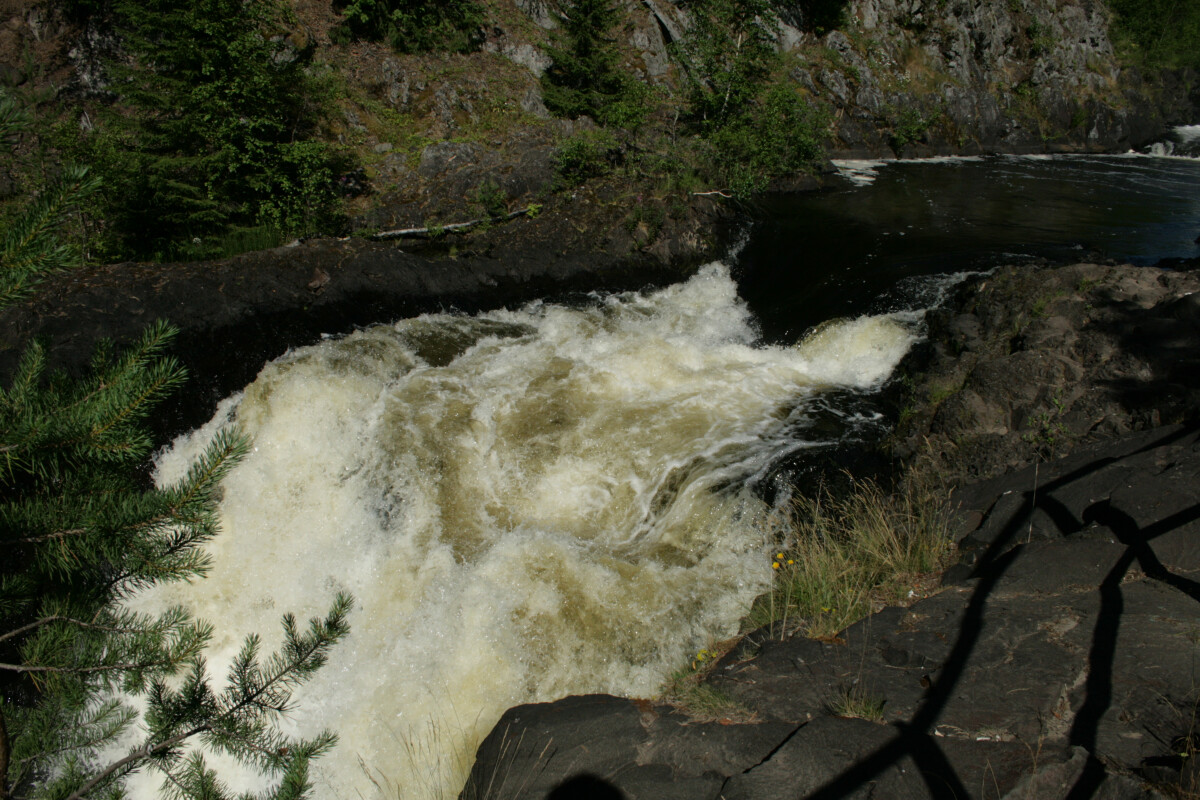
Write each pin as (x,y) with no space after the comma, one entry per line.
(414,26)
(1157,33)
(777,136)
(591,154)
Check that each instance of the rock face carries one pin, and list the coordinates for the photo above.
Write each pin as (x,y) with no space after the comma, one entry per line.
(1026,364)
(919,78)
(1057,661)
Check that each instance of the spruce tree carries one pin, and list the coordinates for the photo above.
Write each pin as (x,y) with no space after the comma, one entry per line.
(585,78)
(213,130)
(81,534)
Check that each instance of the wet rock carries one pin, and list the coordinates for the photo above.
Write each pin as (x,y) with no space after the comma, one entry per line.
(1056,661)
(1059,663)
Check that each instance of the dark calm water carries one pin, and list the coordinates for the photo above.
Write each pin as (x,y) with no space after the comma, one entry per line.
(844,250)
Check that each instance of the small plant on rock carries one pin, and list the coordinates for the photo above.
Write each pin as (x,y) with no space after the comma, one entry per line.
(847,554)
(855,702)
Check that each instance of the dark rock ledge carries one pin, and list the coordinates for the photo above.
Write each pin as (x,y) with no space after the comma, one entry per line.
(1060,658)
(234,315)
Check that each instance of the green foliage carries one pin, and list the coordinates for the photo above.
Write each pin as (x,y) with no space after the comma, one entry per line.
(688,692)
(81,535)
(31,247)
(854,702)
(909,125)
(779,135)
(414,26)
(587,155)
(754,128)
(213,130)
(729,53)
(1157,33)
(585,79)
(1041,38)
(819,16)
(492,199)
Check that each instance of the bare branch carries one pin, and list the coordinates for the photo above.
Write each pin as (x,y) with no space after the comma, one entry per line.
(451,228)
(127,763)
(84,670)
(51,536)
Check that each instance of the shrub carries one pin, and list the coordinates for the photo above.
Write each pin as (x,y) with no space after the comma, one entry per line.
(414,26)
(587,155)
(779,135)
(1157,33)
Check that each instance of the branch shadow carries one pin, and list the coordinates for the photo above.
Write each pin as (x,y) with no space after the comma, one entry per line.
(914,739)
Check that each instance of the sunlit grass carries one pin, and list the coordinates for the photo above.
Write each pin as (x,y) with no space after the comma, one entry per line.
(844,556)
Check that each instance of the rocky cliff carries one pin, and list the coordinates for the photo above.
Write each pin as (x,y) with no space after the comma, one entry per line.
(915,77)
(434,132)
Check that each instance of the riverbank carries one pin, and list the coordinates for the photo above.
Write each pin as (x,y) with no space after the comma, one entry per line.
(237,314)
(431,139)
(1058,658)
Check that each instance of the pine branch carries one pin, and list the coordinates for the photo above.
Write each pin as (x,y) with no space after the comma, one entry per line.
(125,765)
(236,723)
(31,243)
(93,670)
(78,623)
(5,754)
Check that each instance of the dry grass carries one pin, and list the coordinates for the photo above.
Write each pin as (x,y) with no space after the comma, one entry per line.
(843,557)
(855,702)
(688,692)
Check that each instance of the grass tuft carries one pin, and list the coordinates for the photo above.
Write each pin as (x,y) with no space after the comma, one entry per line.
(855,702)
(843,556)
(687,691)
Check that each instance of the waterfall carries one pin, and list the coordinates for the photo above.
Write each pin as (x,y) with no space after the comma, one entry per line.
(525,504)
(1182,142)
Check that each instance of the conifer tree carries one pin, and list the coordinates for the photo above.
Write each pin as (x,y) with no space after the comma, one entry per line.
(80,534)
(585,78)
(414,26)
(213,129)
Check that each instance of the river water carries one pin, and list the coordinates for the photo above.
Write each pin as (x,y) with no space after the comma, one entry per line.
(561,499)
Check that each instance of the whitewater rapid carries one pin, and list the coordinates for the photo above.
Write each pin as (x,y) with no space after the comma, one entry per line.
(524,503)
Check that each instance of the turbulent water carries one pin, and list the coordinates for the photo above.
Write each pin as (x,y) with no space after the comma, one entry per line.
(1182,142)
(525,504)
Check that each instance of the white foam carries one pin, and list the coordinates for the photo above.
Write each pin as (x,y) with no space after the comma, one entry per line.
(525,504)
(859,172)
